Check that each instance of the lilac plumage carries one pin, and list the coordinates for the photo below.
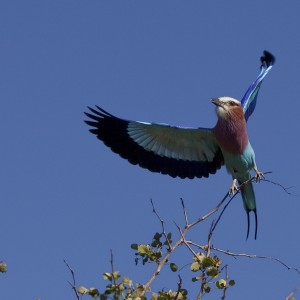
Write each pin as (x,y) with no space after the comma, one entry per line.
(191,152)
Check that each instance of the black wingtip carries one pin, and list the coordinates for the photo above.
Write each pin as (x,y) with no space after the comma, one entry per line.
(267,59)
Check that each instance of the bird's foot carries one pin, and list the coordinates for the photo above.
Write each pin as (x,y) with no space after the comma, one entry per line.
(259,175)
(233,187)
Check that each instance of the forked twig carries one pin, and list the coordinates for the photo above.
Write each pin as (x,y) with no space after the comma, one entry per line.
(162,224)
(255,256)
(184,212)
(73,284)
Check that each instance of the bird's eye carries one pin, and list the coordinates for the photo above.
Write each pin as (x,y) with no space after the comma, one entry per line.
(232,103)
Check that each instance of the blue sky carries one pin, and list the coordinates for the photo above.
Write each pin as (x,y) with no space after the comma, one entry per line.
(64,195)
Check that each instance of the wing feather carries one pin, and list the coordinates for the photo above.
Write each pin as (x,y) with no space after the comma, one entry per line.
(250,97)
(176,151)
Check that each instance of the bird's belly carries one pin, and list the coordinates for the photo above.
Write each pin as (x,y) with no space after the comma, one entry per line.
(239,165)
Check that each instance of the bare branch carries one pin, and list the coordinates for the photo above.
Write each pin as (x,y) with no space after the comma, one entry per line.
(184,241)
(209,213)
(215,223)
(112,266)
(206,248)
(73,284)
(226,287)
(179,285)
(286,189)
(255,256)
(291,294)
(162,224)
(159,266)
(184,212)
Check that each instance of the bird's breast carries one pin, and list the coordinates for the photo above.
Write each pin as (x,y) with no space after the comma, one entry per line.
(231,135)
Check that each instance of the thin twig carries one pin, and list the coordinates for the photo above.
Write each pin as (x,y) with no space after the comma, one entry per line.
(208,214)
(73,284)
(112,266)
(208,247)
(184,242)
(283,187)
(255,256)
(291,294)
(253,178)
(226,287)
(162,225)
(184,212)
(179,285)
(215,223)
(159,267)
(179,242)
(203,282)
(227,252)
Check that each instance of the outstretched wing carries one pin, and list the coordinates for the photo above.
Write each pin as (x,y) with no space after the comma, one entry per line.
(178,152)
(250,97)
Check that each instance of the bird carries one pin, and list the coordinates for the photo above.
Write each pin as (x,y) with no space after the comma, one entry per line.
(187,152)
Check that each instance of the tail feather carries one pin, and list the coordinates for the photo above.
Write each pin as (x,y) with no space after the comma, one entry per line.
(249,204)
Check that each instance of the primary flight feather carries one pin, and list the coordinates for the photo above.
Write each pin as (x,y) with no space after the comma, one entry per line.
(190,152)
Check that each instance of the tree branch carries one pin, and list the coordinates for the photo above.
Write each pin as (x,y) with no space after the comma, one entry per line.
(162,225)
(255,256)
(73,284)
(179,285)
(207,247)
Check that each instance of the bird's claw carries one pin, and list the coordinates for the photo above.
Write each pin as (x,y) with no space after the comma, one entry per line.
(259,175)
(233,187)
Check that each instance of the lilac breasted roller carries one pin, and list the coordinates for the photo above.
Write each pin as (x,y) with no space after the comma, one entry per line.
(191,152)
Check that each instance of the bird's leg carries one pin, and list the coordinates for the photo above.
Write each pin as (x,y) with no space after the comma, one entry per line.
(259,175)
(233,187)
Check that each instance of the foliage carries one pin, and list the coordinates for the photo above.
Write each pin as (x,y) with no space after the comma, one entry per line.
(208,272)
(208,269)
(3,267)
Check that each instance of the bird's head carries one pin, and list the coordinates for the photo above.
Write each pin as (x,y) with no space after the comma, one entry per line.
(227,106)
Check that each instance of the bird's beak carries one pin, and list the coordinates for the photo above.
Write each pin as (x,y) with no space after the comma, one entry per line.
(216,101)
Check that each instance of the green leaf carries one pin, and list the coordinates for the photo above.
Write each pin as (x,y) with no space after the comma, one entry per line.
(199,256)
(143,249)
(134,246)
(169,239)
(127,281)
(156,243)
(107,276)
(218,261)
(197,278)
(206,288)
(184,292)
(195,266)
(157,236)
(94,292)
(173,267)
(116,275)
(231,282)
(221,284)
(207,262)
(213,272)
(82,290)
(3,267)
(140,289)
